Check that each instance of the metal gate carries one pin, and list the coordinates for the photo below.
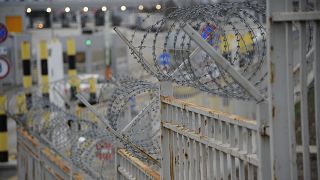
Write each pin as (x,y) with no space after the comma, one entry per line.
(198,143)
(290,158)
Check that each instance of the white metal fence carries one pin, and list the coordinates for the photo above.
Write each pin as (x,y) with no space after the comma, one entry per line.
(131,168)
(200,143)
(37,162)
(295,130)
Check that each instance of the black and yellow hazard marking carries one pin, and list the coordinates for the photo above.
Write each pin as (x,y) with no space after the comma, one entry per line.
(44,80)
(44,69)
(4,154)
(26,69)
(72,68)
(93,90)
(21,104)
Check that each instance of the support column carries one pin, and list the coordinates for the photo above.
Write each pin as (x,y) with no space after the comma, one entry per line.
(72,69)
(4,153)
(44,70)
(26,68)
(93,91)
(45,82)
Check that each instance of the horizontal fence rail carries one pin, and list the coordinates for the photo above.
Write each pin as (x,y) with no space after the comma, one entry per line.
(131,168)
(38,162)
(200,143)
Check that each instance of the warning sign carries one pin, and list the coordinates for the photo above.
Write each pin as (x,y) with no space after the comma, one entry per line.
(4,67)
(3,32)
(104,151)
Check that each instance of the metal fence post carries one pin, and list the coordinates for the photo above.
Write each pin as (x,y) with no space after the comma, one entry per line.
(279,82)
(166,136)
(263,142)
(317,83)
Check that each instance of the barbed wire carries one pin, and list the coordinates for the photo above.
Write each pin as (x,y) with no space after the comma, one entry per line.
(232,29)
(84,139)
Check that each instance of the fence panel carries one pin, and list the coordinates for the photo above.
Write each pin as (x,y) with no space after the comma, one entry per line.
(199,143)
(38,162)
(131,168)
(294,88)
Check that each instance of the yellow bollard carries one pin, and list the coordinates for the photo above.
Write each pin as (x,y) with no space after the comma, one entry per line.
(72,69)
(44,70)
(26,68)
(93,90)
(4,153)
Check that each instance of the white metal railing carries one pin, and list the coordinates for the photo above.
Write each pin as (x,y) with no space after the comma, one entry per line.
(131,168)
(37,161)
(201,143)
(292,159)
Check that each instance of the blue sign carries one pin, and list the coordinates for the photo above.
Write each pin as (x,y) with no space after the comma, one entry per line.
(207,30)
(208,33)
(164,59)
(132,101)
(3,32)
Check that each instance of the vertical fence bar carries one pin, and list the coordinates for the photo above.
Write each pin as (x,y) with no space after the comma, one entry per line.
(4,151)
(217,164)
(241,170)
(197,160)
(316,44)
(304,96)
(175,145)
(224,165)
(192,160)
(264,171)
(210,172)
(233,167)
(180,157)
(290,95)
(186,158)
(276,56)
(167,155)
(168,160)
(203,162)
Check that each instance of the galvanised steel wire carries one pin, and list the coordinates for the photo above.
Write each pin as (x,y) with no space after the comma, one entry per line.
(232,29)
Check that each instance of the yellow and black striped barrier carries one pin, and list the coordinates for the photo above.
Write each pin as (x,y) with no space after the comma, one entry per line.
(45,80)
(93,90)
(26,68)
(44,70)
(72,68)
(81,108)
(4,154)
